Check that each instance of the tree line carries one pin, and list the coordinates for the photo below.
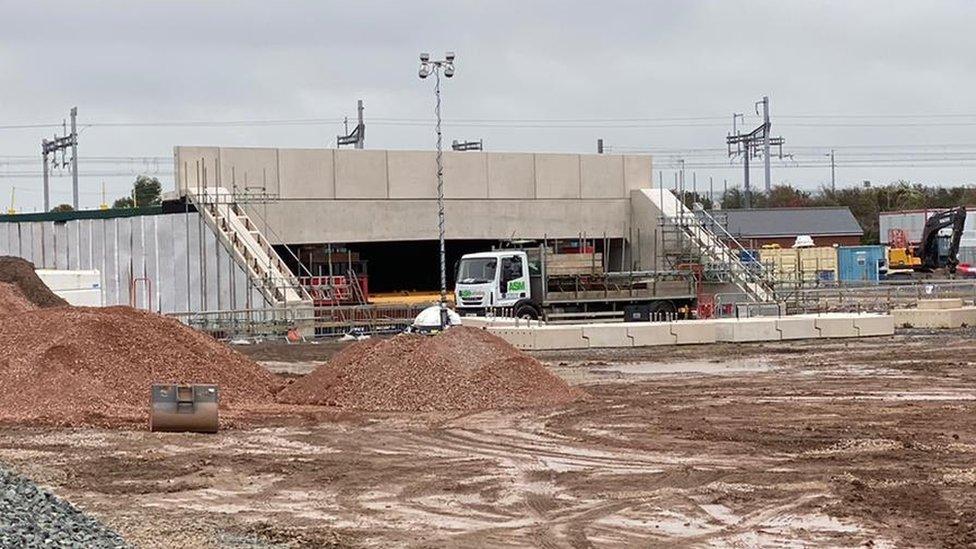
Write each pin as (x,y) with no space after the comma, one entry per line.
(146,191)
(864,202)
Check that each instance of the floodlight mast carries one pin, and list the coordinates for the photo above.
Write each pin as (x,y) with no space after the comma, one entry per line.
(427,66)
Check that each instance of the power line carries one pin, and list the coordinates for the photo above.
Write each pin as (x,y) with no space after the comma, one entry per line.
(580,122)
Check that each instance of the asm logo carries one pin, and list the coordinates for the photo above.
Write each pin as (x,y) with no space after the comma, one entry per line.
(516,286)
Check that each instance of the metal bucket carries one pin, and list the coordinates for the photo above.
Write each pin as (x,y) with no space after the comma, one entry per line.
(184,408)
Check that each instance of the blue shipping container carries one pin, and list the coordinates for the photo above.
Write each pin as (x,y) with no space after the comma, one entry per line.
(748,256)
(860,263)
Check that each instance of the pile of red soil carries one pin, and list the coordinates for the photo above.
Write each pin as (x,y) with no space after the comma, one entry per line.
(95,366)
(12,301)
(463,369)
(20,272)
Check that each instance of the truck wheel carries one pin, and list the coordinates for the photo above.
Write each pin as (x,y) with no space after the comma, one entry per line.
(526,311)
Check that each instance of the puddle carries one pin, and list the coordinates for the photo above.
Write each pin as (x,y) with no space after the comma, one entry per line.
(694,367)
(590,372)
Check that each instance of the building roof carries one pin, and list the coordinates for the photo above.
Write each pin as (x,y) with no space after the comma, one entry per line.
(789,222)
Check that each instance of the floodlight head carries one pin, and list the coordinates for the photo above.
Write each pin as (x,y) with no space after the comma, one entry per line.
(448,71)
(449,56)
(424,57)
(424,71)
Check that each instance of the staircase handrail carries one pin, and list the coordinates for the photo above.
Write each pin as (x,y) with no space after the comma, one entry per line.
(203,197)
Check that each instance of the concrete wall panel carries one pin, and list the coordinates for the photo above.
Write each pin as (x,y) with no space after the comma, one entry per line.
(250,170)
(413,174)
(644,235)
(306,173)
(60,239)
(377,221)
(511,175)
(557,175)
(466,175)
(190,164)
(184,271)
(602,176)
(638,172)
(361,174)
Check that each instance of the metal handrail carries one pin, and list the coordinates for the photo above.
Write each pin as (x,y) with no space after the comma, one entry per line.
(725,250)
(202,197)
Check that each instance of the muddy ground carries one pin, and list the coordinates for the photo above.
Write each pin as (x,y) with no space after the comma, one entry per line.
(836,443)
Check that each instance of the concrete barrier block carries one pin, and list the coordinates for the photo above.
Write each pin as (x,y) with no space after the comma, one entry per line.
(874,325)
(937,304)
(797,328)
(607,335)
(693,331)
(498,322)
(836,326)
(520,338)
(934,318)
(741,330)
(476,321)
(648,334)
(559,337)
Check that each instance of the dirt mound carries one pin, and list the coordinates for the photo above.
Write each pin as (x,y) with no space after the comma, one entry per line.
(95,366)
(12,301)
(20,272)
(461,369)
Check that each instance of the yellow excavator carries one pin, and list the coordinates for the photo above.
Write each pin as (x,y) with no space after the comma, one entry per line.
(934,254)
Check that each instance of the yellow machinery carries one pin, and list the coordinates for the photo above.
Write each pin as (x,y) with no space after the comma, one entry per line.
(902,258)
(928,256)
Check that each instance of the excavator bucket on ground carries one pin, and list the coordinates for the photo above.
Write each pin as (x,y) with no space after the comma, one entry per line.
(184,408)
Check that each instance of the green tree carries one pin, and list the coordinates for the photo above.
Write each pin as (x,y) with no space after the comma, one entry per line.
(124,202)
(785,196)
(63,208)
(147,191)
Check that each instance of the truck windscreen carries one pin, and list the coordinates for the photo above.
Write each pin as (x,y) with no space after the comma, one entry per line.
(477,270)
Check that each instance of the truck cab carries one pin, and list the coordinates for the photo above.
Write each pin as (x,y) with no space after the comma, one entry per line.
(494,279)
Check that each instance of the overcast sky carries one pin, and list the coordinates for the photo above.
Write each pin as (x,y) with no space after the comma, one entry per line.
(884,82)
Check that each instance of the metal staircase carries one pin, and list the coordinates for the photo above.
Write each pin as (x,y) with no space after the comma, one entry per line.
(717,250)
(248,246)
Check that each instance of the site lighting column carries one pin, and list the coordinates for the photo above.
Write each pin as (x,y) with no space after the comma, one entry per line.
(426,67)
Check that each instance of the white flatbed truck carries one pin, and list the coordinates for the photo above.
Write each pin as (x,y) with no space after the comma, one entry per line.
(536,283)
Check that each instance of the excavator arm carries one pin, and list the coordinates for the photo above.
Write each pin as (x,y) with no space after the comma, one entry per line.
(928,248)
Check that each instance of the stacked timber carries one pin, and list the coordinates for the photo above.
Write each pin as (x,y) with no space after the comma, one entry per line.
(574,264)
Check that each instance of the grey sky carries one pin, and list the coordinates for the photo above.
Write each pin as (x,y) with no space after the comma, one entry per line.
(525,67)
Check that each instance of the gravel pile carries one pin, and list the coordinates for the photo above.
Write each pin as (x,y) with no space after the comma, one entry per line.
(12,301)
(75,366)
(20,273)
(31,517)
(464,369)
